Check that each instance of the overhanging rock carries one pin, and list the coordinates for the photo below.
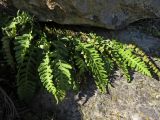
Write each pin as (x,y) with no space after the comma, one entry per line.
(110,14)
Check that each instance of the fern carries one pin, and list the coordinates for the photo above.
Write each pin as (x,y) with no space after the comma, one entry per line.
(80,63)
(46,75)
(22,44)
(19,21)
(145,58)
(127,58)
(57,57)
(95,64)
(62,67)
(63,79)
(134,62)
(6,41)
(110,54)
(26,76)
(123,66)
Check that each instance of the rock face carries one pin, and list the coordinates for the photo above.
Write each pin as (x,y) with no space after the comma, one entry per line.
(111,14)
(139,100)
(127,102)
(136,101)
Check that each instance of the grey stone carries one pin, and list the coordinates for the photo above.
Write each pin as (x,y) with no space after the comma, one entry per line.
(126,101)
(111,14)
(132,35)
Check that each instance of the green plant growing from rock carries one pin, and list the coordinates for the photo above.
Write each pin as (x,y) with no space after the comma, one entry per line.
(59,59)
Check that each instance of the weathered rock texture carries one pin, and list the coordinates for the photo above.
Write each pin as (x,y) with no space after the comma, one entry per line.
(136,101)
(6,7)
(139,100)
(111,14)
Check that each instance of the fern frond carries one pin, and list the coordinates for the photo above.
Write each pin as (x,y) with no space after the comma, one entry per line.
(27,76)
(7,50)
(126,56)
(61,51)
(22,44)
(46,75)
(109,55)
(95,64)
(125,70)
(134,62)
(82,67)
(19,21)
(145,58)
(62,77)
(62,67)
(23,18)
(117,58)
(100,44)
(122,56)
(10,30)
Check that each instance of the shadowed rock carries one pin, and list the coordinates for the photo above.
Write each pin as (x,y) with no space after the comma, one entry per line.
(110,14)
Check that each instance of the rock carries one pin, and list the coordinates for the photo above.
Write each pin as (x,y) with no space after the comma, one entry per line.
(127,101)
(7,8)
(132,35)
(110,14)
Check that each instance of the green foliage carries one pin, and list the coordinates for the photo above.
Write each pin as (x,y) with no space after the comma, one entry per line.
(22,44)
(26,75)
(46,75)
(146,59)
(60,59)
(21,21)
(131,60)
(94,63)
(6,41)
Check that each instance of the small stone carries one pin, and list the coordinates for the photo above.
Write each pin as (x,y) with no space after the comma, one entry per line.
(136,117)
(157,96)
